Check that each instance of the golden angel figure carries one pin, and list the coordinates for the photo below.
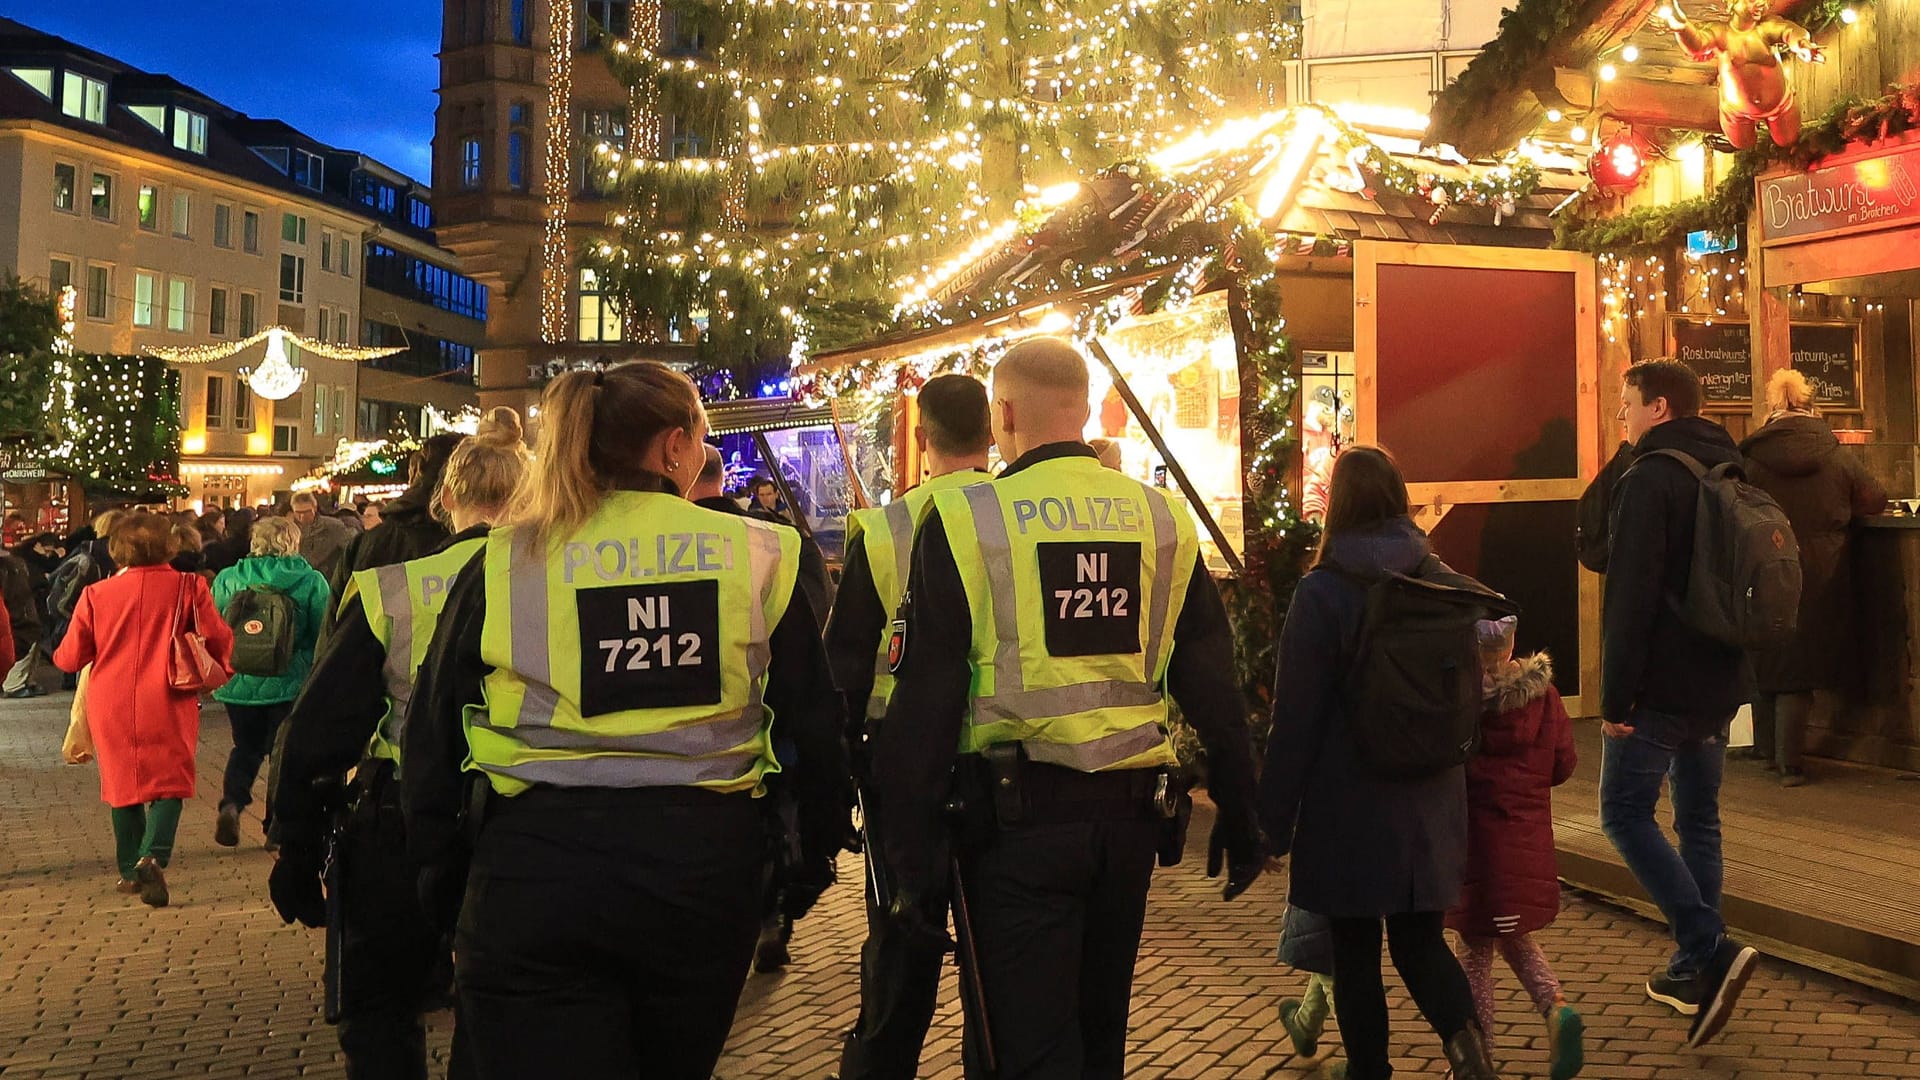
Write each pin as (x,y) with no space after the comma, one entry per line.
(1756,86)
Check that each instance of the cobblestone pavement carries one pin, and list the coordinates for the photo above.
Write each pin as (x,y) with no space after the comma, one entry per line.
(93,984)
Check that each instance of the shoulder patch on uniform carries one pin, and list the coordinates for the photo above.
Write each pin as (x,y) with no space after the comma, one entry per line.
(897,645)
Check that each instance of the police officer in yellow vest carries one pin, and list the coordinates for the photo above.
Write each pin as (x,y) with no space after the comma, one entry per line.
(351,714)
(1048,614)
(614,668)
(899,974)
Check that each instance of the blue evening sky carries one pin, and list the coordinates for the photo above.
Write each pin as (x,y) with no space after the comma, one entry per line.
(357,74)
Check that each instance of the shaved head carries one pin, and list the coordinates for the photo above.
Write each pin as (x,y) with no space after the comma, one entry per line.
(1039,396)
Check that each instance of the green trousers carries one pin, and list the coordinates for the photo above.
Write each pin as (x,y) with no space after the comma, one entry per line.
(141,830)
(1316,1004)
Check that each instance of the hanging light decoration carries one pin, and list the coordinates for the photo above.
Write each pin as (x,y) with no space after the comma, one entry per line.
(276,378)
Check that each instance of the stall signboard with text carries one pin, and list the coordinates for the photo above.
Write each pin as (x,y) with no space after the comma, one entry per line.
(1878,190)
(1720,351)
(1828,354)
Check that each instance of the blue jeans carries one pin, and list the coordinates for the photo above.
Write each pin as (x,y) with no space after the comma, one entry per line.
(1685,884)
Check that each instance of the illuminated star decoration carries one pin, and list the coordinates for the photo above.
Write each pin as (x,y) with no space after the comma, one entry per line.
(276,378)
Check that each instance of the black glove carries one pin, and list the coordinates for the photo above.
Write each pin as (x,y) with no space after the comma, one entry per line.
(910,916)
(442,888)
(1238,846)
(294,885)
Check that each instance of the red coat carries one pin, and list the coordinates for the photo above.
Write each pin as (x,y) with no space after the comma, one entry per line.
(1513,882)
(7,656)
(144,732)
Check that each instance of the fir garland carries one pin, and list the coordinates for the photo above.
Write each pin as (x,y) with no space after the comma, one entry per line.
(1724,212)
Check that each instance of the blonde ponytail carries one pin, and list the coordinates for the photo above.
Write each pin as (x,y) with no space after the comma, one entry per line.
(595,427)
(486,471)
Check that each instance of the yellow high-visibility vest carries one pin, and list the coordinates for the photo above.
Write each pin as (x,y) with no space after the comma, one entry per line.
(1075,576)
(633,653)
(402,604)
(887,533)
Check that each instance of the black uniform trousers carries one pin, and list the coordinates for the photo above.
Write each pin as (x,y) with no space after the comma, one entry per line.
(393,962)
(899,989)
(607,933)
(1057,908)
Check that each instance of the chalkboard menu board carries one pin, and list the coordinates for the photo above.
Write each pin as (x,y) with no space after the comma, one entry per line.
(1721,353)
(1828,354)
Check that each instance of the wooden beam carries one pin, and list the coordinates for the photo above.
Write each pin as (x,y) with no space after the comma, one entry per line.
(1642,101)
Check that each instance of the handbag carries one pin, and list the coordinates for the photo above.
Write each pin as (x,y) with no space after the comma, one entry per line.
(191,666)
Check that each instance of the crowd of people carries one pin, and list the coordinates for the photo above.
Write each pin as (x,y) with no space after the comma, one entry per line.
(579,733)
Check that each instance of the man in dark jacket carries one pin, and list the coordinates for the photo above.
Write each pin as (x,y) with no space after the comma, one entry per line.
(23,615)
(1668,693)
(407,530)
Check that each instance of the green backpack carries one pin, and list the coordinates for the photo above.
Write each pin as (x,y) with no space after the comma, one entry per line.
(262,619)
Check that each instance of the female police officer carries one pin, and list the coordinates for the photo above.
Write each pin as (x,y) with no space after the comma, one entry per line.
(352,712)
(612,664)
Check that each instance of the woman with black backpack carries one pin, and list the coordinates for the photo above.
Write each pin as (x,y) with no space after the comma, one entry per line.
(275,603)
(1368,845)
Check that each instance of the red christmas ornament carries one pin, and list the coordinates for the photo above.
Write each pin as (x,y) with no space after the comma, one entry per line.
(1621,162)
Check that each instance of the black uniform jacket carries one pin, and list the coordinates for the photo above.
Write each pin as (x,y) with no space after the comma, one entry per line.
(800,694)
(913,750)
(336,714)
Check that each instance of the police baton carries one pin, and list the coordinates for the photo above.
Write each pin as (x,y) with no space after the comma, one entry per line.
(973,989)
(333,980)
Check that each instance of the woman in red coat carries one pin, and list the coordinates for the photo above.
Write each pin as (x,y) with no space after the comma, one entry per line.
(1512,885)
(144,732)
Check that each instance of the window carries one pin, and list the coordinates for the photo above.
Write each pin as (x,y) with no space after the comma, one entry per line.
(216,416)
(683,141)
(189,131)
(517,160)
(242,407)
(343,330)
(148,205)
(470,164)
(250,231)
(222,225)
(517,113)
(322,406)
(325,320)
(599,310)
(41,79)
(286,438)
(293,279)
(605,19)
(155,116)
(326,252)
(416,279)
(599,127)
(183,214)
(293,229)
(101,195)
(99,299)
(145,284)
(179,304)
(518,19)
(249,314)
(309,170)
(59,275)
(342,259)
(84,98)
(66,179)
(420,213)
(217,312)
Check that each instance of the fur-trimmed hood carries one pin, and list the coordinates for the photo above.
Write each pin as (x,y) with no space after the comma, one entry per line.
(1511,724)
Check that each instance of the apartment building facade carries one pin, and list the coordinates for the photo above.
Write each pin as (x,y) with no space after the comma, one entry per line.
(184,224)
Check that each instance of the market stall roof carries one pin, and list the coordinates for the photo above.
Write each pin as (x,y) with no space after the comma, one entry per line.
(1544,60)
(774,414)
(1314,178)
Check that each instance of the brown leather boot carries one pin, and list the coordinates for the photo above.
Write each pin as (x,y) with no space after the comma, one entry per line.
(1467,1053)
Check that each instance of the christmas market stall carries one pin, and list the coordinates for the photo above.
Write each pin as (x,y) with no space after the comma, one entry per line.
(811,454)
(1755,207)
(1264,293)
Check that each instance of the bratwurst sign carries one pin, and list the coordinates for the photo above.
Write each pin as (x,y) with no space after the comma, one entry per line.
(1880,190)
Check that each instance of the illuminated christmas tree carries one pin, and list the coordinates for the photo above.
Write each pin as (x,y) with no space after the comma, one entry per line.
(818,157)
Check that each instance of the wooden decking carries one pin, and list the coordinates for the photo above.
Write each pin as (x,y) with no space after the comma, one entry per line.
(1826,875)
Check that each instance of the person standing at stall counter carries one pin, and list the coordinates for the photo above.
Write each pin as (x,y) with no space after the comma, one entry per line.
(616,664)
(1046,615)
(899,974)
(352,713)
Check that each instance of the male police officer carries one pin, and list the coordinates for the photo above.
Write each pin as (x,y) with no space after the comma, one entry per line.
(899,973)
(1046,614)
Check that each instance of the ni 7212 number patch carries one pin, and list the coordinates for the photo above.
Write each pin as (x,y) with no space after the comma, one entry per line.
(1091,597)
(649,646)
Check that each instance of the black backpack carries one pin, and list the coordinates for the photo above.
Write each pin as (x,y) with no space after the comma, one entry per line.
(1415,679)
(64,586)
(1743,582)
(1596,510)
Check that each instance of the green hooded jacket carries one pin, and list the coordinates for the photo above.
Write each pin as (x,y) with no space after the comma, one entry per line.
(307,589)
